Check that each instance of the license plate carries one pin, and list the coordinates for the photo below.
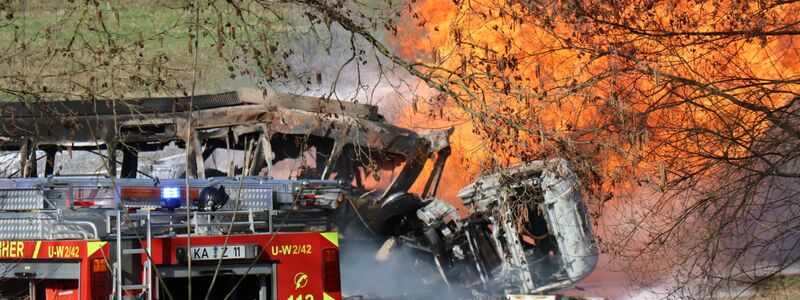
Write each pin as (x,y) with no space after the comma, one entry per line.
(217,252)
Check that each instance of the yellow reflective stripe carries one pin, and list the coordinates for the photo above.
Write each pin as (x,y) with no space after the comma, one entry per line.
(92,247)
(332,237)
(36,250)
(325,296)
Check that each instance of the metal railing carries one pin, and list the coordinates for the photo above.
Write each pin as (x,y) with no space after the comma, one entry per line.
(201,222)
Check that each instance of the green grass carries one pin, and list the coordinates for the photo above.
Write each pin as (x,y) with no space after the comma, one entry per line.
(61,48)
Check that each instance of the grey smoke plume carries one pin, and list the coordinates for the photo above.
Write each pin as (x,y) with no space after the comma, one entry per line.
(406,274)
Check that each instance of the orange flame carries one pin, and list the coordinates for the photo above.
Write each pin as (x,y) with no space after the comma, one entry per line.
(628,99)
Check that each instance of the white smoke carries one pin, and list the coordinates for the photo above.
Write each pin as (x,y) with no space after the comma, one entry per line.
(405,274)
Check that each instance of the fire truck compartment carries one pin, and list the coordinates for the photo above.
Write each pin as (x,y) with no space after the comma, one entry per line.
(208,270)
(252,286)
(31,269)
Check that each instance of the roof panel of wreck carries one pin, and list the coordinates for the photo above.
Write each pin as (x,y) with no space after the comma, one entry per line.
(159,120)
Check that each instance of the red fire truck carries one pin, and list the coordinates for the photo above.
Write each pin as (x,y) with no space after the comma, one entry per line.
(101,238)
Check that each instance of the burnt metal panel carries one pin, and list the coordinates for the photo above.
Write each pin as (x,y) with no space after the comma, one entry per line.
(163,119)
(107,107)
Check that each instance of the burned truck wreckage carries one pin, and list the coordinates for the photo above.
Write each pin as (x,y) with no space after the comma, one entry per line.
(524,230)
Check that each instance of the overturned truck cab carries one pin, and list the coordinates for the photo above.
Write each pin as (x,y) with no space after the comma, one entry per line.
(535,217)
(526,231)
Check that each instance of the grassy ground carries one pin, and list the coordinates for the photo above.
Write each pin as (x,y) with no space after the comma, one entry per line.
(129,48)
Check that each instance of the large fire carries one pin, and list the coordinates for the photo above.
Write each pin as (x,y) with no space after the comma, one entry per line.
(621,88)
(655,95)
